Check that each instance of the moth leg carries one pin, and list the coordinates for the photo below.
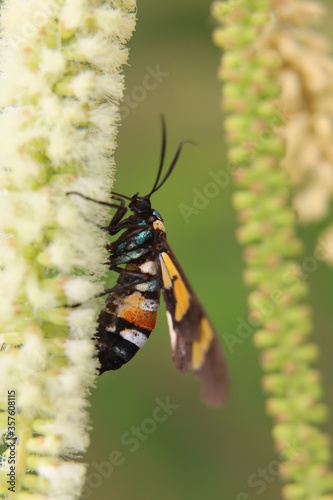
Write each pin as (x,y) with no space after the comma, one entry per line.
(118,287)
(113,247)
(114,225)
(99,202)
(130,272)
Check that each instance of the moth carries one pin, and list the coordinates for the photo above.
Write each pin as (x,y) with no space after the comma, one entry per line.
(147,266)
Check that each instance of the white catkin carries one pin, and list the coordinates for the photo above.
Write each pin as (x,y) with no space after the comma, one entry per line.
(60,87)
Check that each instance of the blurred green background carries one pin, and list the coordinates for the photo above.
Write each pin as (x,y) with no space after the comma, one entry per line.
(195,452)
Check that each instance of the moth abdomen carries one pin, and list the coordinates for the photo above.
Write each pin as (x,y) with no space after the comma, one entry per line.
(127,318)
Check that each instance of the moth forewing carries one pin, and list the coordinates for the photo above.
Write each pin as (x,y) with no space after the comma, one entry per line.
(193,341)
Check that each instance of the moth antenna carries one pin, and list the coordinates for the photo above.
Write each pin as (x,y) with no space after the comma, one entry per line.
(172,165)
(160,168)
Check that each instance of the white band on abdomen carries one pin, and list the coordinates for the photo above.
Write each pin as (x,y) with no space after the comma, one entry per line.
(137,338)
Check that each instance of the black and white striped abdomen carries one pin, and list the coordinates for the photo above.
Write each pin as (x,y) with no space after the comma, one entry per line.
(128,315)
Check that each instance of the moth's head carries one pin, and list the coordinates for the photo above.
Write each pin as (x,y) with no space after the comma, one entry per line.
(140,204)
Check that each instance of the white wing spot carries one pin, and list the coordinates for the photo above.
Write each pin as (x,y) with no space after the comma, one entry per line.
(173,335)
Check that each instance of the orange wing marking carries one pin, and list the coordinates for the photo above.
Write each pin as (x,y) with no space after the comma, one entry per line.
(171,277)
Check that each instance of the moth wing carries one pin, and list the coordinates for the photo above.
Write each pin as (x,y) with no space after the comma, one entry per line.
(193,341)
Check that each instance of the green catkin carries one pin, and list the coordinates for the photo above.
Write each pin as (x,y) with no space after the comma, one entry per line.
(277,303)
